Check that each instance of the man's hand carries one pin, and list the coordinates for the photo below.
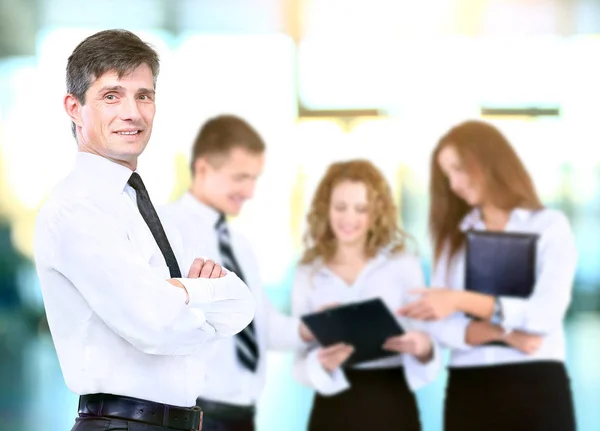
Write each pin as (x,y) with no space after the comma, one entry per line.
(415,343)
(176,283)
(206,269)
(179,284)
(526,343)
(434,304)
(333,356)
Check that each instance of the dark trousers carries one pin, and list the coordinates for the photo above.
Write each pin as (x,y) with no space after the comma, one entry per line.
(106,424)
(219,416)
(214,424)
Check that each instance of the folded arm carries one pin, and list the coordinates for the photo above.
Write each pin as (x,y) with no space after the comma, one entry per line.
(92,250)
(545,309)
(481,332)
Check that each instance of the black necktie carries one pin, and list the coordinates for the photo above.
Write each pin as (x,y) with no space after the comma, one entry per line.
(245,346)
(151,218)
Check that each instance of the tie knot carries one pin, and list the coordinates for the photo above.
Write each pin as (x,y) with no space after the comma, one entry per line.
(135,181)
(221,222)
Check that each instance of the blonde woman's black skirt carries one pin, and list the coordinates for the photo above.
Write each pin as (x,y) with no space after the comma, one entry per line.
(378,400)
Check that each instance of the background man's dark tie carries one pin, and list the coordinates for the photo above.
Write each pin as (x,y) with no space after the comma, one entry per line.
(246,346)
(151,218)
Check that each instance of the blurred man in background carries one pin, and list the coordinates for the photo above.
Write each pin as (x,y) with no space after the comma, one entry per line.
(227,159)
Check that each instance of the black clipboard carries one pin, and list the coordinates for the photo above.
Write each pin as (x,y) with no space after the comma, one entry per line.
(500,264)
(365,325)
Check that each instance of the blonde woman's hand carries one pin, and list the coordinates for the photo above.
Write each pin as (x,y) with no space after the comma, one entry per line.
(415,343)
(334,356)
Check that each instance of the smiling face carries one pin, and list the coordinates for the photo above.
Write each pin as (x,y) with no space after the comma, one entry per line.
(116,120)
(349,216)
(463,183)
(225,182)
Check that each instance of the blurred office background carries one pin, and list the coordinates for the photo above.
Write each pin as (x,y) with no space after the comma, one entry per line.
(321,80)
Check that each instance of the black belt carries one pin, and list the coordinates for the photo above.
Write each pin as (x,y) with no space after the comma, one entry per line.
(232,412)
(134,409)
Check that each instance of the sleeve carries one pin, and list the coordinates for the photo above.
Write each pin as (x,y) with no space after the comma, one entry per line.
(418,374)
(451,332)
(545,309)
(283,330)
(226,303)
(307,368)
(92,250)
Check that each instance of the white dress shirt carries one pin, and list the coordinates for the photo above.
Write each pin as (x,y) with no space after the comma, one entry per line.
(118,326)
(387,276)
(226,379)
(542,313)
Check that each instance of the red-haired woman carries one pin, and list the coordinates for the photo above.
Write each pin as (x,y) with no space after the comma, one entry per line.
(478,182)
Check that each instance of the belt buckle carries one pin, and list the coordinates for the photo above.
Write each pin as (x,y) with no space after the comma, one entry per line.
(197,408)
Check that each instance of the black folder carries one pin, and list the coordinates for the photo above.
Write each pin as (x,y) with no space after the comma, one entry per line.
(365,325)
(500,264)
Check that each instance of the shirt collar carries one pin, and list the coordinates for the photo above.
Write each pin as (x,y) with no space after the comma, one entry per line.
(474,219)
(203,211)
(102,173)
(381,256)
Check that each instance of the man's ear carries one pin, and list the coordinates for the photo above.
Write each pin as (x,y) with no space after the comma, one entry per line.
(73,109)
(200,166)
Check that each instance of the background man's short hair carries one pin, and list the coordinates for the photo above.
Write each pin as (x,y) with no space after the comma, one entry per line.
(221,134)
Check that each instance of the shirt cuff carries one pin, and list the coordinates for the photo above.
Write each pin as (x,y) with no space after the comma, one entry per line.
(452,332)
(325,382)
(419,374)
(297,341)
(200,290)
(514,312)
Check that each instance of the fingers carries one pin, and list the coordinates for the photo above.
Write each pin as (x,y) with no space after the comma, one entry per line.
(306,334)
(331,350)
(329,305)
(334,356)
(419,310)
(401,343)
(217,271)
(176,283)
(526,343)
(413,343)
(406,310)
(532,344)
(196,268)
(207,269)
(531,348)
(397,344)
